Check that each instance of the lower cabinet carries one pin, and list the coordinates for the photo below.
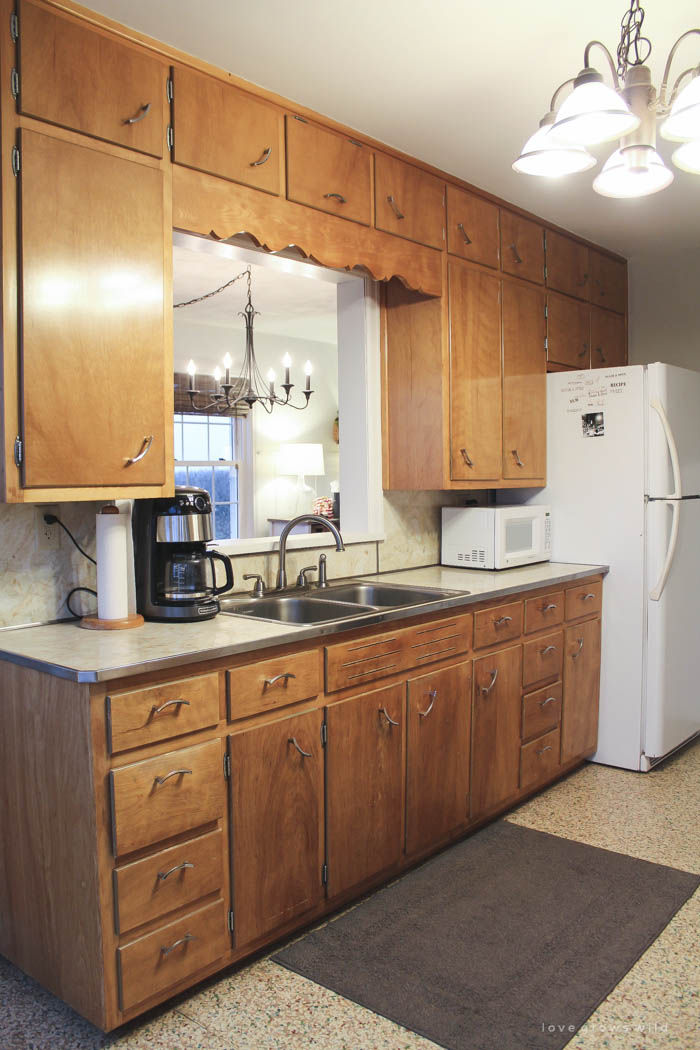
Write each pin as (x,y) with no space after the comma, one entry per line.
(496,728)
(277,817)
(581,689)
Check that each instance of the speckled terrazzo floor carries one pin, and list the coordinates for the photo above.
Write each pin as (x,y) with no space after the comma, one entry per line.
(265,1007)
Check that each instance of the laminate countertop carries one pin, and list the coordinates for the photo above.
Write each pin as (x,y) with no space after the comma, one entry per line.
(69,651)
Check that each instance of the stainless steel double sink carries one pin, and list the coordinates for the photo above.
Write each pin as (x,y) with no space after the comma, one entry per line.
(307,606)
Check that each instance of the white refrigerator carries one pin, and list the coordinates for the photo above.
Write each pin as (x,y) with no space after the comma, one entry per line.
(623,481)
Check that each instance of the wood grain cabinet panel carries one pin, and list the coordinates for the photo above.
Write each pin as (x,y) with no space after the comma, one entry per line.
(364,659)
(81,79)
(522,247)
(272,683)
(92,306)
(524,383)
(608,281)
(545,611)
(541,710)
(328,171)
(224,131)
(608,339)
(568,332)
(542,658)
(495,729)
(408,201)
(568,268)
(584,599)
(437,760)
(475,375)
(277,815)
(472,227)
(581,689)
(498,624)
(158,712)
(539,760)
(365,771)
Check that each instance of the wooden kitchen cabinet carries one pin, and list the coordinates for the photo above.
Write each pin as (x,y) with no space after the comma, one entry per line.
(409,202)
(581,689)
(567,265)
(224,131)
(568,332)
(495,728)
(608,339)
(608,281)
(524,383)
(472,227)
(277,814)
(328,171)
(522,247)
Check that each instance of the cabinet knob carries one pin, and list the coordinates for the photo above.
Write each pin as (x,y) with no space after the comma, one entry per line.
(262,159)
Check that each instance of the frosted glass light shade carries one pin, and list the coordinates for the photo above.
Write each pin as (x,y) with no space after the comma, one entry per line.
(594,113)
(544,154)
(300,458)
(635,171)
(683,122)
(687,157)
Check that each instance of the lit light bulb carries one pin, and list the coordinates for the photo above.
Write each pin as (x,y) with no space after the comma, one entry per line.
(308,370)
(191,371)
(217,374)
(228,360)
(286,360)
(271,381)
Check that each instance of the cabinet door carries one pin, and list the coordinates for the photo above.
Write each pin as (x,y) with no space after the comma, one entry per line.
(608,281)
(522,247)
(567,265)
(496,729)
(365,786)
(524,382)
(408,201)
(608,341)
(277,823)
(328,171)
(472,227)
(579,734)
(568,332)
(92,317)
(78,78)
(226,132)
(437,780)
(475,375)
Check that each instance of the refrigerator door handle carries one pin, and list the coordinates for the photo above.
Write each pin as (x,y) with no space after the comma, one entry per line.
(672,450)
(675,506)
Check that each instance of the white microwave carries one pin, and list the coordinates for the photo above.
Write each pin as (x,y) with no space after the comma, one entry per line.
(496,537)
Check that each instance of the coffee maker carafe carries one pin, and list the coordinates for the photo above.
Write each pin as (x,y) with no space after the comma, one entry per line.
(175,572)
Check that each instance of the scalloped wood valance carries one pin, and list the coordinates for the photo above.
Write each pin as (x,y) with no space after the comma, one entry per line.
(212,206)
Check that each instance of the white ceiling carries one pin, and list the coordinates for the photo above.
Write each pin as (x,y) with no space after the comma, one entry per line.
(458,83)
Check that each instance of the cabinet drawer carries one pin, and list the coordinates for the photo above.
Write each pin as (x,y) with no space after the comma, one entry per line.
(542,658)
(437,641)
(328,171)
(472,227)
(142,716)
(163,796)
(498,625)
(152,963)
(541,711)
(269,684)
(583,600)
(539,759)
(364,660)
(408,201)
(170,879)
(545,611)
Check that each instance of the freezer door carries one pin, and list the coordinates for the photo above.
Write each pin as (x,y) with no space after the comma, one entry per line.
(676,392)
(672,695)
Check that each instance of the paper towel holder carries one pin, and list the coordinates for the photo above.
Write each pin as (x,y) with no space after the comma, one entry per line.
(96,623)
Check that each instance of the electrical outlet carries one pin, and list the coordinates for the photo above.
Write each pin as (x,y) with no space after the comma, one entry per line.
(48,537)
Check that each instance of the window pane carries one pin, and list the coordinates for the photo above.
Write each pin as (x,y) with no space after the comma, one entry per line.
(222,521)
(178,440)
(225,484)
(194,440)
(220,444)
(201,478)
(180,475)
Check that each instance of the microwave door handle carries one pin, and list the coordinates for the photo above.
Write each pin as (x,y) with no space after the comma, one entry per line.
(675,506)
(672,450)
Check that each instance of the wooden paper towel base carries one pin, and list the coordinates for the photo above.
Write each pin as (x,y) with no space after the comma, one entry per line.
(94,623)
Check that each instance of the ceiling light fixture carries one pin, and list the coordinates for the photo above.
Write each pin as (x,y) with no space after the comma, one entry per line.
(595,113)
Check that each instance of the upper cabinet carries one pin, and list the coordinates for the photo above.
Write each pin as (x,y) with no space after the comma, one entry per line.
(328,171)
(408,201)
(472,227)
(524,382)
(608,282)
(78,78)
(224,131)
(567,265)
(522,247)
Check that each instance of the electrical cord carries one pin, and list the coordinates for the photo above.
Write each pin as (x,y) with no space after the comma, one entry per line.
(70,595)
(51,519)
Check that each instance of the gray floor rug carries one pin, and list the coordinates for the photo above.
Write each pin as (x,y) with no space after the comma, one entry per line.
(501,942)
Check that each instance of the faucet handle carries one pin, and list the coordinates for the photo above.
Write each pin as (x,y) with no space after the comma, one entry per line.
(259,586)
(301,578)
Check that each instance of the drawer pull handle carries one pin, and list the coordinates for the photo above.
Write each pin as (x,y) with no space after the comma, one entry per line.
(549,700)
(183,940)
(390,720)
(542,750)
(178,867)
(169,703)
(336,196)
(486,689)
(548,649)
(279,678)
(305,754)
(582,353)
(501,620)
(586,597)
(145,447)
(516,254)
(467,458)
(143,112)
(580,647)
(518,460)
(264,157)
(173,773)
(395,208)
(460,227)
(432,694)
(548,608)
(580,284)
(603,358)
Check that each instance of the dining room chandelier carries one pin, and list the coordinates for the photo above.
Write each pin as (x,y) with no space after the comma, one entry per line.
(594,113)
(247,387)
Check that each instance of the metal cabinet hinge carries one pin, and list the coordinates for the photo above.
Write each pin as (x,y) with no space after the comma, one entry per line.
(229,920)
(14,83)
(546,311)
(545,273)
(15,160)
(19,451)
(227,767)
(546,343)
(170,137)
(14,27)
(169,90)
(324,874)
(324,734)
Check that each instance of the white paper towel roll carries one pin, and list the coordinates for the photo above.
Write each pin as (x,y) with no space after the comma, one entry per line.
(126,507)
(112,565)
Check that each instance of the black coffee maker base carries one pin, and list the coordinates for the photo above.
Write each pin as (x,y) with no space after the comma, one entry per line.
(190,612)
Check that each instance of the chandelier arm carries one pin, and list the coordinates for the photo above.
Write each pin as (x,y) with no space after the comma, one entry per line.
(669,60)
(566,83)
(587,65)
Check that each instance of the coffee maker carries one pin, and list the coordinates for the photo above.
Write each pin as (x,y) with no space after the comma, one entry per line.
(175,573)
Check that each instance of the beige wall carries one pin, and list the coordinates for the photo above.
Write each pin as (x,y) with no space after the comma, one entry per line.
(664,306)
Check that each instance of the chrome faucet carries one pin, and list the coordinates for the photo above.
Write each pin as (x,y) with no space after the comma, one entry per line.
(303,519)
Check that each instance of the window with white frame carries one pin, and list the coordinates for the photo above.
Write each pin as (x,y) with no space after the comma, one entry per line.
(210,454)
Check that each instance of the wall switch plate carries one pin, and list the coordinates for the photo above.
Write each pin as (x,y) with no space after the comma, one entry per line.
(48,537)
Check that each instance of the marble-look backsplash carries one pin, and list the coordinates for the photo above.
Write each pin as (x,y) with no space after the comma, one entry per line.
(34,584)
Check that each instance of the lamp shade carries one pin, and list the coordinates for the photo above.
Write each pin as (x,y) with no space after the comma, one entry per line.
(299,458)
(687,157)
(594,113)
(634,171)
(544,154)
(683,122)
